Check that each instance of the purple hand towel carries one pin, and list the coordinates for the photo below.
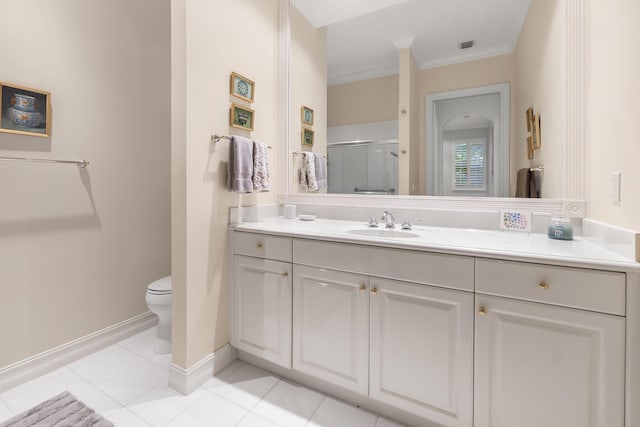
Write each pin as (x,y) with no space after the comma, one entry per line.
(240,170)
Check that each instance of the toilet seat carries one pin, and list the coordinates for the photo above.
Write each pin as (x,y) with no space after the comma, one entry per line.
(154,292)
(160,287)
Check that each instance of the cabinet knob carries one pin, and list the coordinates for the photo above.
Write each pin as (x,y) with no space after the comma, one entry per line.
(259,246)
(285,273)
(374,291)
(363,288)
(543,285)
(482,311)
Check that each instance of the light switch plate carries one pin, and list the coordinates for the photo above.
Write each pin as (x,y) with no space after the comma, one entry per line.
(515,220)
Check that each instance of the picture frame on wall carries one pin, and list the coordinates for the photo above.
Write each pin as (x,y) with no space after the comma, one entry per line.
(529,148)
(24,110)
(242,87)
(241,117)
(306,115)
(529,117)
(535,132)
(307,137)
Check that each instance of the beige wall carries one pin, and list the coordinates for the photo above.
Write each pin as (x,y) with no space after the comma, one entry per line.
(79,247)
(204,55)
(538,84)
(407,114)
(367,101)
(613,86)
(483,72)
(307,86)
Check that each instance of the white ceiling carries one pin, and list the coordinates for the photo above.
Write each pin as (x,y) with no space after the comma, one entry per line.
(362,35)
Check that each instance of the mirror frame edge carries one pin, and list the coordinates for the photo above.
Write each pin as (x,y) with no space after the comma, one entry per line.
(572,202)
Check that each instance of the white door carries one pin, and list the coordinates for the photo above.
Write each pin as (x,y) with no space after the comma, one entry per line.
(331,326)
(422,350)
(541,365)
(262,308)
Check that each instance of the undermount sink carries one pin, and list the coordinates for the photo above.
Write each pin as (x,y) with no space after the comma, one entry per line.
(382,232)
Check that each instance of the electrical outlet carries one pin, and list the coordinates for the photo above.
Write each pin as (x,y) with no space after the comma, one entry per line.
(615,187)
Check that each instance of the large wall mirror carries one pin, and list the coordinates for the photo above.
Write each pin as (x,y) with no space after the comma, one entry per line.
(430,97)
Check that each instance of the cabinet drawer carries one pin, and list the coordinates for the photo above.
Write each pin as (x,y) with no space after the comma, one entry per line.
(449,271)
(595,290)
(262,246)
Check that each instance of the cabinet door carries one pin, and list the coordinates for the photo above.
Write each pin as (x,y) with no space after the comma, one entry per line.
(331,326)
(262,308)
(539,365)
(422,350)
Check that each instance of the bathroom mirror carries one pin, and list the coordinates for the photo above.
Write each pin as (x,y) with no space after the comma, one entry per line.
(380,75)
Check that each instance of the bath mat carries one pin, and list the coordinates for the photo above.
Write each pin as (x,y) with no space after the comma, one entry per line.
(61,410)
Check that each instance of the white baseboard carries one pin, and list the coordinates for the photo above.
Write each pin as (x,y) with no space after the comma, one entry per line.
(187,380)
(35,366)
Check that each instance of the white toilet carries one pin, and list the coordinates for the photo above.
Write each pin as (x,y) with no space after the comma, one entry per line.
(159,301)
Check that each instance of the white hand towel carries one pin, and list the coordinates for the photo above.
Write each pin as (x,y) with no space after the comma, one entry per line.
(240,169)
(321,171)
(261,180)
(308,179)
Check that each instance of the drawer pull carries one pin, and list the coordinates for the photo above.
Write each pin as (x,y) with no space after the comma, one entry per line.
(363,288)
(259,246)
(543,285)
(482,311)
(374,291)
(285,273)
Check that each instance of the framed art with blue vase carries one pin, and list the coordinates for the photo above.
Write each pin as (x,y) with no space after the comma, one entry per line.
(24,111)
(242,87)
(306,115)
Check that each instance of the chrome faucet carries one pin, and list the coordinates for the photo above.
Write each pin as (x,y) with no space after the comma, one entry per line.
(389,220)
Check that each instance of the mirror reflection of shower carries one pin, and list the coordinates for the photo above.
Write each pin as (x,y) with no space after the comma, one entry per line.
(363,167)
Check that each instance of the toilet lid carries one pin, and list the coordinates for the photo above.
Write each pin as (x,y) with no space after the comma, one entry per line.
(160,286)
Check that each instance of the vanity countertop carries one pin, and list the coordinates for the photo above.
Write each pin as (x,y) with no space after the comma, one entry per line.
(471,242)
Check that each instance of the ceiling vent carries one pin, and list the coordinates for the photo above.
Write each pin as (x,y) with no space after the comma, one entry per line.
(467,45)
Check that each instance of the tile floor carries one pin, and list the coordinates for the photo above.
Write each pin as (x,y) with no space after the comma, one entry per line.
(127,383)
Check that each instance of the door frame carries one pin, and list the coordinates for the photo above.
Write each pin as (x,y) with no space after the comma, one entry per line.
(501,144)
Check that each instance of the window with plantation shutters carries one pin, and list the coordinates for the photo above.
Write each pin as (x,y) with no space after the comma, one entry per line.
(469,165)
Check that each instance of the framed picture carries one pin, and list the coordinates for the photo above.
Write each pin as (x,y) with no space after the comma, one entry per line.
(306,115)
(241,117)
(24,111)
(307,137)
(535,132)
(529,118)
(242,87)
(529,148)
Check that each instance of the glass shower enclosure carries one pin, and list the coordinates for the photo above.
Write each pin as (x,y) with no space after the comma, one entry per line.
(363,167)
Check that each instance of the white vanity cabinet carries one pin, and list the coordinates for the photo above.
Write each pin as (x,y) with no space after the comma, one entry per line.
(451,340)
(331,326)
(421,351)
(543,364)
(409,345)
(262,297)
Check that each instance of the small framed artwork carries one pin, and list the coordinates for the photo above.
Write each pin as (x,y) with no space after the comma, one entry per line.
(24,111)
(307,137)
(529,148)
(529,118)
(241,117)
(306,115)
(242,87)
(535,133)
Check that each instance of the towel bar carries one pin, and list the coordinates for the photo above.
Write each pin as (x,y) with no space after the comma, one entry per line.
(79,163)
(218,138)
